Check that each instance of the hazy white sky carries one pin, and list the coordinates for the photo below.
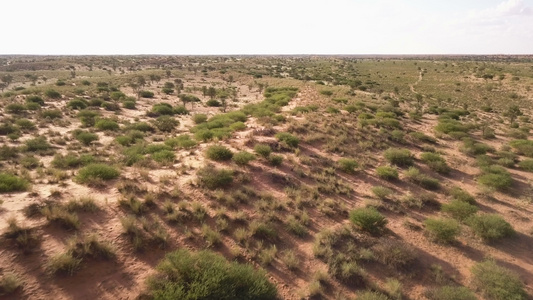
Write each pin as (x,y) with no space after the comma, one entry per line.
(266,27)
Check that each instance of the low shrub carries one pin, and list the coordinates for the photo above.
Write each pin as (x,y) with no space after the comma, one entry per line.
(435,162)
(243,158)
(387,172)
(496,177)
(11,183)
(399,157)
(451,293)
(35,99)
(85,137)
(275,160)
(214,178)
(199,118)
(490,227)
(51,114)
(166,123)
(459,210)
(498,283)
(347,165)
(106,124)
(164,156)
(368,219)
(288,139)
(97,171)
(442,230)
(37,144)
(182,141)
(146,94)
(523,147)
(218,153)
(423,180)
(53,94)
(394,253)
(205,275)
(263,150)
(9,283)
(381,192)
(63,263)
(526,165)
(77,104)
(459,194)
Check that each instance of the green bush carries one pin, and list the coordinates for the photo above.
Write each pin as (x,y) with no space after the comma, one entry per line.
(85,137)
(451,293)
(128,104)
(287,138)
(213,103)
(459,194)
(263,150)
(496,177)
(162,109)
(381,192)
(51,114)
(166,123)
(37,144)
(347,165)
(35,99)
(97,171)
(372,295)
(275,160)
(71,160)
(459,210)
(435,162)
(106,124)
(15,108)
(498,283)
(53,94)
(490,227)
(164,156)
(77,104)
(213,178)
(473,148)
(423,180)
(30,162)
(399,157)
(449,125)
(523,147)
(387,173)
(11,183)
(442,230)
(243,158)
(199,118)
(146,94)
(205,275)
(218,153)
(25,124)
(368,219)
(526,165)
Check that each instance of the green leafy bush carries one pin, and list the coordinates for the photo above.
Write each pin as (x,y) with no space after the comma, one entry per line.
(275,160)
(166,123)
(243,158)
(106,124)
(218,153)
(387,172)
(442,230)
(526,165)
(15,108)
(399,157)
(214,178)
(490,227)
(413,174)
(496,177)
(435,162)
(368,219)
(498,283)
(459,194)
(97,171)
(287,138)
(449,125)
(459,210)
(53,94)
(37,144)
(263,150)
(523,147)
(199,118)
(85,137)
(146,94)
(11,183)
(35,99)
(205,275)
(164,156)
(381,192)
(348,165)
(51,114)
(162,109)
(77,104)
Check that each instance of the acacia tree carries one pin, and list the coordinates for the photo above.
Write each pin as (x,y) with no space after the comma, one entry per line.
(512,113)
(186,98)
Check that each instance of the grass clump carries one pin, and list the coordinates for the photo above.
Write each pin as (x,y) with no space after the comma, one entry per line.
(526,165)
(63,263)
(85,137)
(399,157)
(263,150)
(459,194)
(459,210)
(11,183)
(442,230)
(205,275)
(381,192)
(435,162)
(490,227)
(368,219)
(451,293)
(218,153)
(9,283)
(423,180)
(90,247)
(387,172)
(183,141)
(372,295)
(214,178)
(97,171)
(243,158)
(498,283)
(60,215)
(288,139)
(348,165)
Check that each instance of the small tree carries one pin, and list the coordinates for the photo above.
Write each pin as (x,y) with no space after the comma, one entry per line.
(512,113)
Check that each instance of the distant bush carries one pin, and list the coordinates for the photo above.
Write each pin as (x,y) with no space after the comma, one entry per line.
(243,158)
(490,227)
(348,165)
(85,137)
(162,109)
(381,192)
(128,104)
(449,125)
(423,180)
(97,171)
(51,114)
(71,160)
(53,94)
(106,124)
(199,118)
(164,156)
(368,219)
(287,138)
(263,150)
(419,136)
(206,275)
(142,126)
(146,94)
(182,141)
(459,194)
(524,147)
(63,263)
(214,178)
(218,153)
(25,124)
(442,230)
(399,157)
(435,162)
(37,144)
(387,173)
(15,108)
(498,283)
(451,293)
(496,177)
(275,160)
(473,148)
(77,104)
(394,253)
(180,110)
(459,210)
(213,103)
(166,123)
(35,99)
(11,183)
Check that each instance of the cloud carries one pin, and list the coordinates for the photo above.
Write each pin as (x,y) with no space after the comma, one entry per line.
(509,8)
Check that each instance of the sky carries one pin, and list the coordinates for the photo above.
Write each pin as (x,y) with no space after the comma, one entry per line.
(205,27)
